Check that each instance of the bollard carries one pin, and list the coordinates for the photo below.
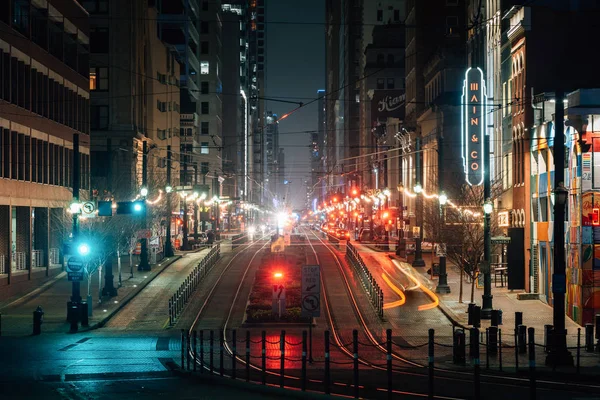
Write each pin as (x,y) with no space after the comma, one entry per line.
(547,333)
(516,351)
(282,359)
(221,353)
(493,340)
(522,337)
(201,351)
(388,346)
(487,348)
(326,381)
(532,391)
(171,312)
(470,313)
(476,316)
(500,349)
(578,349)
(264,357)
(355,358)
(500,317)
(304,348)
(182,350)
(248,356)
(211,348)
(474,345)
(459,347)
(494,321)
(430,361)
(187,353)
(233,353)
(83,313)
(38,318)
(589,337)
(195,344)
(518,319)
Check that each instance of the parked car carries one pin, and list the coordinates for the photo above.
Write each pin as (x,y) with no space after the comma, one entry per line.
(343,234)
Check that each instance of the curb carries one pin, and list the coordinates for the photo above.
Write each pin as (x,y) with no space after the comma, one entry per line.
(129,297)
(35,292)
(294,393)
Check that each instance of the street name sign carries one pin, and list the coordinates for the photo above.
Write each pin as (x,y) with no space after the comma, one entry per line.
(311,291)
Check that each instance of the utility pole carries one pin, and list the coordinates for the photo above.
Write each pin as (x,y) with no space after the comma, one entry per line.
(168,245)
(75,302)
(559,354)
(184,245)
(196,203)
(442,286)
(204,173)
(144,265)
(419,262)
(218,208)
(486,306)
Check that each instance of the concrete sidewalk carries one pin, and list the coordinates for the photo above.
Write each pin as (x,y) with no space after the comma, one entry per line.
(17,316)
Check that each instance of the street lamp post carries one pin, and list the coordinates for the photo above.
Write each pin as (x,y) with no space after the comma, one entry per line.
(559,354)
(169,189)
(144,265)
(487,305)
(418,262)
(401,247)
(75,288)
(442,286)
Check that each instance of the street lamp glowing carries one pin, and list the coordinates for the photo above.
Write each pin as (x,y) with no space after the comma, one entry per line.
(83,249)
(443,198)
(169,189)
(144,192)
(418,188)
(488,207)
(75,208)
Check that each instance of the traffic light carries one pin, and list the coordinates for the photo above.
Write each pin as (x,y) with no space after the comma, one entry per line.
(278,275)
(131,207)
(355,192)
(83,249)
(105,209)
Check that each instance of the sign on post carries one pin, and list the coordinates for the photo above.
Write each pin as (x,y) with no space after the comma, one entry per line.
(278,305)
(88,209)
(75,268)
(311,291)
(154,242)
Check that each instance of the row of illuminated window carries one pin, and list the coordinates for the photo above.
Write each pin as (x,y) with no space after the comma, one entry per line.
(28,88)
(31,159)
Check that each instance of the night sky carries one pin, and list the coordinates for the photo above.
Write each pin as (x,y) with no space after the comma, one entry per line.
(295,70)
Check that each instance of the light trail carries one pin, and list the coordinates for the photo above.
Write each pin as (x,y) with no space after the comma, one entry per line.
(409,274)
(397,290)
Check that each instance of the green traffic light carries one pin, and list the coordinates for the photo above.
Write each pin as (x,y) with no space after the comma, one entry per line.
(83,249)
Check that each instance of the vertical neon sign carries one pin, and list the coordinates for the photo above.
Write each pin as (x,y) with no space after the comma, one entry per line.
(473,120)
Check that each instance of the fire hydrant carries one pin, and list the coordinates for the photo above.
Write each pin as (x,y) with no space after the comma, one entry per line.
(38,318)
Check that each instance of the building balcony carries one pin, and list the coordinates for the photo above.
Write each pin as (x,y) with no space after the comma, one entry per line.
(182,23)
(188,82)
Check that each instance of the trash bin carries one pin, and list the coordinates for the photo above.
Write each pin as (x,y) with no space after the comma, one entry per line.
(499,317)
(38,318)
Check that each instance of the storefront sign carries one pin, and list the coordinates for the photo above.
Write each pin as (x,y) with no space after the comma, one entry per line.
(503,219)
(387,104)
(473,125)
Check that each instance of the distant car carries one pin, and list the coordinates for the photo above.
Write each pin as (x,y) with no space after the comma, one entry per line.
(365,235)
(202,237)
(343,234)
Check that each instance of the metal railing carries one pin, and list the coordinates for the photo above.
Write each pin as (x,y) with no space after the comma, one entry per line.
(179,300)
(19,261)
(37,258)
(369,284)
(54,256)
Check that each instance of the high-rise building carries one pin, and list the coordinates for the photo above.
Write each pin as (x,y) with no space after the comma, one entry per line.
(271,160)
(316,184)
(44,101)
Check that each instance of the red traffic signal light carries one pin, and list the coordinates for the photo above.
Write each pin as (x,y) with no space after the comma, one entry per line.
(278,275)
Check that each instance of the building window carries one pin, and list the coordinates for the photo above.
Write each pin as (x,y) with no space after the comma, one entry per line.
(204,107)
(204,87)
(390,83)
(379,15)
(204,128)
(99,40)
(204,27)
(396,15)
(20,18)
(390,60)
(451,25)
(161,105)
(204,168)
(204,47)
(380,60)
(204,68)
(99,78)
(380,83)
(204,148)
(99,117)
(95,6)
(205,6)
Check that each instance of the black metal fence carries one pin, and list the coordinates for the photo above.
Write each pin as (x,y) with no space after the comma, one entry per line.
(178,301)
(362,369)
(369,283)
